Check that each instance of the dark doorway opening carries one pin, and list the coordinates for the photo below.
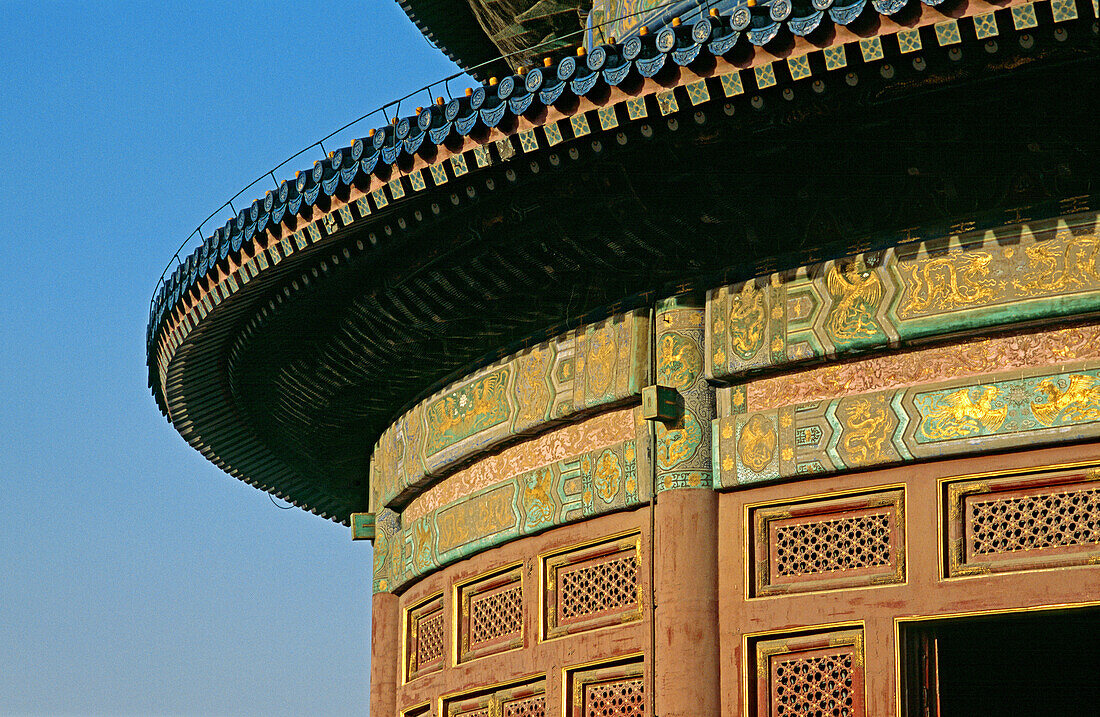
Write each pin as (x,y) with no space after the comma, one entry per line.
(1037,663)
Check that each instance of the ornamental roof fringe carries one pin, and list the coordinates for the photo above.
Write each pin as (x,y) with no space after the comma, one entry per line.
(751,47)
(607,86)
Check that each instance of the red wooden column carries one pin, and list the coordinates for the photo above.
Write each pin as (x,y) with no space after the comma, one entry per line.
(384,654)
(686,655)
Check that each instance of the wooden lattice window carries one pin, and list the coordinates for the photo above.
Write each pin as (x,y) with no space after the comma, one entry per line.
(1022,523)
(526,700)
(492,615)
(534,706)
(593,586)
(612,690)
(425,638)
(829,544)
(817,675)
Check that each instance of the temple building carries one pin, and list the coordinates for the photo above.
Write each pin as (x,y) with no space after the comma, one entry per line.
(737,357)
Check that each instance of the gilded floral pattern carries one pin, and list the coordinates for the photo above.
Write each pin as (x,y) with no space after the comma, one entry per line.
(683,446)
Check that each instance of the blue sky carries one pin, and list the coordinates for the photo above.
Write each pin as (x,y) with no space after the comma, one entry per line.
(135,577)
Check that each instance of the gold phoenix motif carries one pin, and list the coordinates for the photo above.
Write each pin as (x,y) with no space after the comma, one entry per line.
(856,291)
(961,413)
(469,410)
(569,441)
(940,363)
(1078,401)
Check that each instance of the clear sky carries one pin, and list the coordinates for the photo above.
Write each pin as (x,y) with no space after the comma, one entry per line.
(135,577)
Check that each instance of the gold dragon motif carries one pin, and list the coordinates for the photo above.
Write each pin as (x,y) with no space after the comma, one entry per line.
(532,393)
(680,361)
(607,476)
(865,430)
(475,517)
(756,445)
(422,530)
(948,283)
(676,445)
(601,362)
(747,319)
(1079,401)
(1051,271)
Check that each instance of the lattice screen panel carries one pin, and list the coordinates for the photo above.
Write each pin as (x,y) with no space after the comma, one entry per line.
(492,615)
(818,675)
(425,638)
(593,586)
(524,700)
(612,690)
(829,544)
(525,707)
(1022,523)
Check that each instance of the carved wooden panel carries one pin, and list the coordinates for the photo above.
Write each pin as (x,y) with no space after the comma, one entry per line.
(594,586)
(1022,523)
(425,638)
(810,675)
(828,544)
(527,700)
(616,690)
(491,617)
